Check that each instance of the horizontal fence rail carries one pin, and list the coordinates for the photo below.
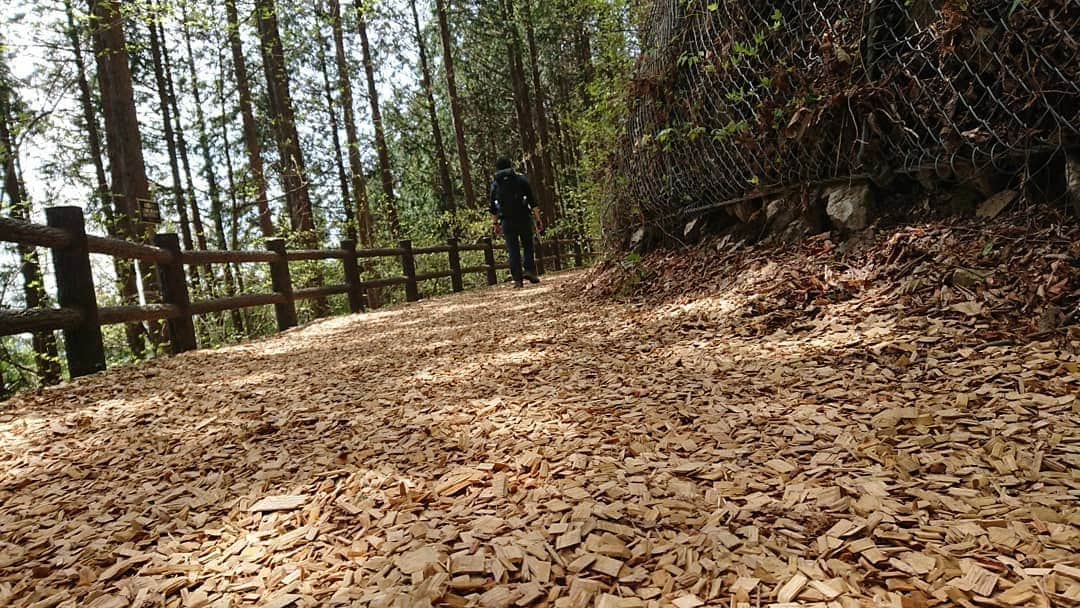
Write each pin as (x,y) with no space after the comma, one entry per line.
(81,319)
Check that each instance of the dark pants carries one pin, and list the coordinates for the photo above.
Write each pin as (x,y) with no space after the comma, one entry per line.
(519,235)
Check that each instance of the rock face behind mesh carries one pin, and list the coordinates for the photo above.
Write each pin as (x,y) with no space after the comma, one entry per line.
(1072,172)
(850,206)
(744,100)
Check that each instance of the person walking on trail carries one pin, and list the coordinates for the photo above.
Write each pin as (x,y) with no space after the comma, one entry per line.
(513,208)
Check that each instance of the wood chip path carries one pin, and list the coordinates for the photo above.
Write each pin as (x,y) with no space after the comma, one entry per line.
(523,448)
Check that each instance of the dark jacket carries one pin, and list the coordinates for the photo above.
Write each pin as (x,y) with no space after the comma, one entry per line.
(511,197)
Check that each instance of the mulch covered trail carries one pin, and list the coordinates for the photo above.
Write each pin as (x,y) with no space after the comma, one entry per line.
(533,448)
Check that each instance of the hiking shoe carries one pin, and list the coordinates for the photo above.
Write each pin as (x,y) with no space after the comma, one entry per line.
(532,278)
(518,285)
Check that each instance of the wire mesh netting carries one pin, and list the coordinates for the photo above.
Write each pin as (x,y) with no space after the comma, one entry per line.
(735,99)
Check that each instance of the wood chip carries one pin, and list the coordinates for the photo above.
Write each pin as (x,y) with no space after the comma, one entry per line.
(792,588)
(853,446)
(687,601)
(282,601)
(278,503)
(607,565)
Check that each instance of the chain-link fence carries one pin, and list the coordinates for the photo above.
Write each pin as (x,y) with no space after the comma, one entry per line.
(736,99)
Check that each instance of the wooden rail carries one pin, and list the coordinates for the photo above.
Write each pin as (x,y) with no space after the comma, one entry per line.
(80,318)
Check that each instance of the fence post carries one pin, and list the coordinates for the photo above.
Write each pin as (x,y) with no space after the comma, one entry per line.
(538,254)
(408,265)
(489,261)
(282,283)
(455,265)
(578,257)
(557,245)
(352,276)
(174,290)
(75,289)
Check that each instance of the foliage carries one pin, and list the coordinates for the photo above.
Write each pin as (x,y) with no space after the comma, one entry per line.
(584,53)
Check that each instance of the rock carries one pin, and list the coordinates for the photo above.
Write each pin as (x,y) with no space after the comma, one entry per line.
(986,180)
(1046,178)
(993,206)
(1050,318)
(970,278)
(849,206)
(963,200)
(692,230)
(1072,180)
(790,221)
(745,210)
(777,206)
(928,179)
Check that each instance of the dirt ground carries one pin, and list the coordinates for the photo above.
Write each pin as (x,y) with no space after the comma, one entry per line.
(514,448)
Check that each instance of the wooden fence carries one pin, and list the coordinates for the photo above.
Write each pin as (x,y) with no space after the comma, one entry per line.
(80,318)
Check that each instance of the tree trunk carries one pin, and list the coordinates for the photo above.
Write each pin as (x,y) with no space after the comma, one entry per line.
(123,140)
(179,199)
(185,162)
(366,225)
(376,120)
(445,183)
(217,211)
(455,106)
(46,356)
(203,134)
(293,172)
(568,153)
(284,120)
(127,284)
(544,153)
(251,131)
(234,206)
(339,157)
(523,106)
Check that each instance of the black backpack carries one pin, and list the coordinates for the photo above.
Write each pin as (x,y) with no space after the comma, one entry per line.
(511,193)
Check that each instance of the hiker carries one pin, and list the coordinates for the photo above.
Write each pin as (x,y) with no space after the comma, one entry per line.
(513,207)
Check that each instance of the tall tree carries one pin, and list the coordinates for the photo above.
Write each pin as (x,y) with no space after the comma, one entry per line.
(381,149)
(165,109)
(523,106)
(127,284)
(247,114)
(217,212)
(130,188)
(455,104)
(331,113)
(441,161)
(291,159)
(232,271)
(234,206)
(46,359)
(182,148)
(366,225)
(544,153)
(203,140)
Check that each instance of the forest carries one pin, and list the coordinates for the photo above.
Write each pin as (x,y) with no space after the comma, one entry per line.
(229,123)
